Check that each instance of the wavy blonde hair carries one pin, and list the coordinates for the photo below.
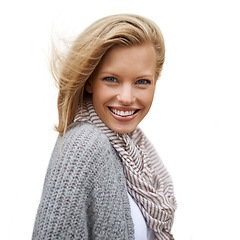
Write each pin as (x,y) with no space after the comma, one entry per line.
(73,70)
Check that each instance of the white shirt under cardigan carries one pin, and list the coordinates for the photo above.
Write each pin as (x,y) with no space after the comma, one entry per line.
(141,230)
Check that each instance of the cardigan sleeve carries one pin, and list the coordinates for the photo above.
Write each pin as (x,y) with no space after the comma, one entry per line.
(84,190)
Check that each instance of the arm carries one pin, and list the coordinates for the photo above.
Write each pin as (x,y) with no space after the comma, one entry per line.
(82,196)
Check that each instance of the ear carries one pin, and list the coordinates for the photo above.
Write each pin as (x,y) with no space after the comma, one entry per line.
(89,86)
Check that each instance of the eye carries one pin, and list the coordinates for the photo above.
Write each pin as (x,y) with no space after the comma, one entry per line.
(143,82)
(110,79)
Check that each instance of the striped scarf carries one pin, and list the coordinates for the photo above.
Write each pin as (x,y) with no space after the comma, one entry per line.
(148,181)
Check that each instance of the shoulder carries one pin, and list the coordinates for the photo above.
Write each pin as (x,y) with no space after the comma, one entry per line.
(83,137)
(86,133)
(84,146)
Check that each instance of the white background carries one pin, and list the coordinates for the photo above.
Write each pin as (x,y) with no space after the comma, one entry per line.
(194,121)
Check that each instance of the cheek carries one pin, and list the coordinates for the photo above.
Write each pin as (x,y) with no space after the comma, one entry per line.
(102,92)
(98,91)
(101,96)
(147,98)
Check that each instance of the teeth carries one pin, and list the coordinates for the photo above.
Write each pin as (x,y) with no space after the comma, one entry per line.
(122,113)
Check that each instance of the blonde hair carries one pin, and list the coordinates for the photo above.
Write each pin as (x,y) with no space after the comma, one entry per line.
(72,71)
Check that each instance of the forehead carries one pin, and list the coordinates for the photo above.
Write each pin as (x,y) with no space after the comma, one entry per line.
(138,57)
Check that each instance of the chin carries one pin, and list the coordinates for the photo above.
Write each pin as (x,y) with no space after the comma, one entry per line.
(123,130)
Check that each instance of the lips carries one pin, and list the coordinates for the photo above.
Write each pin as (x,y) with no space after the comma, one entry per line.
(123,114)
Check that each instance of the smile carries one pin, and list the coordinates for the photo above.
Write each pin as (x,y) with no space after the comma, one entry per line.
(122,113)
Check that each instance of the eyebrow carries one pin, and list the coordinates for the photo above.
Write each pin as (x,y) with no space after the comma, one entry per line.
(147,75)
(110,73)
(116,75)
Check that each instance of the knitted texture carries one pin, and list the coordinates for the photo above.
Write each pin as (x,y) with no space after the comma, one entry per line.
(84,194)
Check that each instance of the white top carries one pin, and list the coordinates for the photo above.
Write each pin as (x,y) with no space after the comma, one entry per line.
(141,230)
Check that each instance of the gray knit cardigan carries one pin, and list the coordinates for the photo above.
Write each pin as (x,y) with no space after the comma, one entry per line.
(84,194)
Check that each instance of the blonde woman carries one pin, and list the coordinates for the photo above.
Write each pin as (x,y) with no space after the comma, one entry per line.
(105,180)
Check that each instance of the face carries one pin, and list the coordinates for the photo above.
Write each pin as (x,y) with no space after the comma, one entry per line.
(123,86)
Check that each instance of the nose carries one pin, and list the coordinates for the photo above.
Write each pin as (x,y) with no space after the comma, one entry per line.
(126,95)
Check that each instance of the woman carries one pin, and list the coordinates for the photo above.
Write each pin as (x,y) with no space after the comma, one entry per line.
(105,180)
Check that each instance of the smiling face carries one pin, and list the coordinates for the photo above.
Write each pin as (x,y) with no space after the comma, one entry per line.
(123,86)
